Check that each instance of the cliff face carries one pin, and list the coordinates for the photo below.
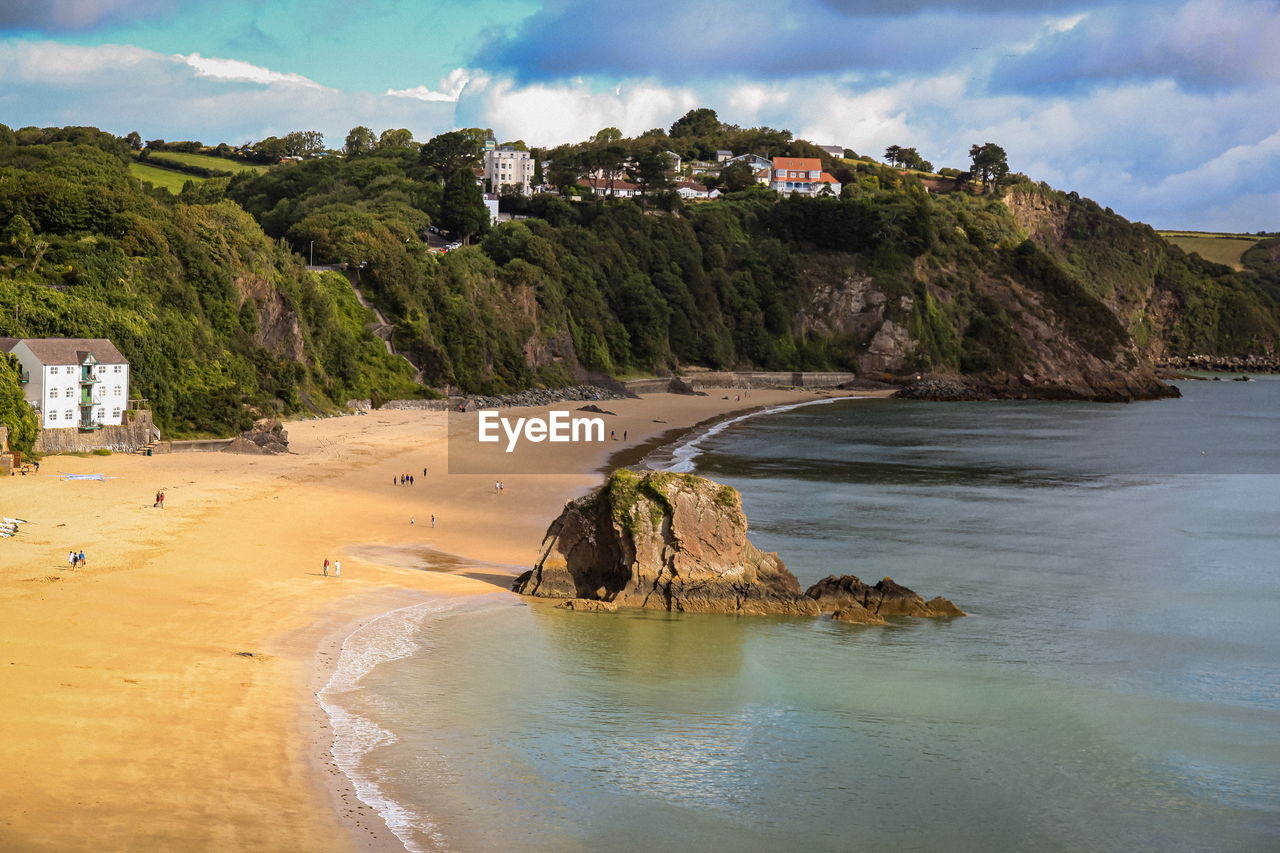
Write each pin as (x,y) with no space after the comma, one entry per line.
(662,541)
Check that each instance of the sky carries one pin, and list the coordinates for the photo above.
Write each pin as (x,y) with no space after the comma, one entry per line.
(1168,112)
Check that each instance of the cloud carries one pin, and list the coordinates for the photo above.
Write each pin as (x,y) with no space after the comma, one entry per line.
(244,72)
(771,38)
(1201,44)
(121,88)
(72,15)
(568,111)
(448,89)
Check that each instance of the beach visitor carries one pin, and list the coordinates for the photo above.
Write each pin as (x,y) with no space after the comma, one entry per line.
(162,499)
(433,520)
(337,569)
(157,503)
(424,470)
(624,435)
(71,559)
(411,521)
(81,558)
(613,436)
(326,567)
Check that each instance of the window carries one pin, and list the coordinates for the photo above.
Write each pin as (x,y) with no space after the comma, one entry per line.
(69,392)
(70,414)
(53,416)
(117,391)
(119,368)
(115,413)
(53,392)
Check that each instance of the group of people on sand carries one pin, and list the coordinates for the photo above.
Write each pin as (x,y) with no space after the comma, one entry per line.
(337,568)
(159,499)
(405,479)
(75,559)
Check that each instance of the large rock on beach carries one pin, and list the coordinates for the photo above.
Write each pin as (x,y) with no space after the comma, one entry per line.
(662,541)
(268,437)
(848,597)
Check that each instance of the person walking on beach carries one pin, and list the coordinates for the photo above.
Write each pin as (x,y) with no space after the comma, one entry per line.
(433,520)
(424,470)
(157,503)
(72,559)
(337,569)
(162,498)
(326,567)
(81,558)
(411,521)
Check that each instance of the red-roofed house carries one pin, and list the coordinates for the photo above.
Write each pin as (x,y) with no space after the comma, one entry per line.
(801,175)
(619,189)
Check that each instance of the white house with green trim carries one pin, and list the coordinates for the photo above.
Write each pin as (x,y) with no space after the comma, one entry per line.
(72,383)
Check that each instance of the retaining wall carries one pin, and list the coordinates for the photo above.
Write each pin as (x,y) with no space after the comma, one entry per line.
(124,438)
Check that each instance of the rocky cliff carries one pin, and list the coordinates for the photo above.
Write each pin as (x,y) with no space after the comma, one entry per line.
(662,541)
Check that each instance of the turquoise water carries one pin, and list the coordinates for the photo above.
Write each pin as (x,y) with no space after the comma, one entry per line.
(1116,686)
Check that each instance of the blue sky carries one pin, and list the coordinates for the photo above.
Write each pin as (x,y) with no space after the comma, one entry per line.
(1165,111)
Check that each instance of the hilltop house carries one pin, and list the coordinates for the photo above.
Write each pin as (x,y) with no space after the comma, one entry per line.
(602,187)
(508,167)
(801,174)
(72,383)
(836,151)
(693,191)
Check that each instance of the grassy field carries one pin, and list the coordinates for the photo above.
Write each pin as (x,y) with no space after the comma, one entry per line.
(220,163)
(166,178)
(1219,248)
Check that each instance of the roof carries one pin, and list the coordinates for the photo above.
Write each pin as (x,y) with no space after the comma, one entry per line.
(805,164)
(601,184)
(73,350)
(7,344)
(691,185)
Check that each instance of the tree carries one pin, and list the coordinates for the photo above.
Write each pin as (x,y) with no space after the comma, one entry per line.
(893,154)
(135,140)
(360,140)
(651,171)
(393,139)
(449,152)
(537,171)
(462,209)
(990,164)
(15,412)
(699,122)
(607,135)
(736,177)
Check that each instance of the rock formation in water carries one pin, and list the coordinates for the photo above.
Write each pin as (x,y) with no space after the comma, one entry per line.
(663,541)
(851,600)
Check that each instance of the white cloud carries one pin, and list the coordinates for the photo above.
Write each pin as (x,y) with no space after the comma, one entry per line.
(244,72)
(448,89)
(570,111)
(121,88)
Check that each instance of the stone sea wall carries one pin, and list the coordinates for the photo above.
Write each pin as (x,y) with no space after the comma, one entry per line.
(125,438)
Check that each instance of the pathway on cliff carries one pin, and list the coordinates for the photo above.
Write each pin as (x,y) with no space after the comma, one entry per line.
(381,329)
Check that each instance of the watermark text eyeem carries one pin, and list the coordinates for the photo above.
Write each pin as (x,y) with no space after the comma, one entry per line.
(557,426)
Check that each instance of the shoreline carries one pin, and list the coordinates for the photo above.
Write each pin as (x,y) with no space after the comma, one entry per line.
(174,676)
(384,839)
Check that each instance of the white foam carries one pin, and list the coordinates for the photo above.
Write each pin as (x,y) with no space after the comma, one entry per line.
(684,453)
(384,639)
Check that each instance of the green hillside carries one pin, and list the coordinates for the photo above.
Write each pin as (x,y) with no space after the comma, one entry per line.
(205,161)
(1019,291)
(220,322)
(164,178)
(1225,249)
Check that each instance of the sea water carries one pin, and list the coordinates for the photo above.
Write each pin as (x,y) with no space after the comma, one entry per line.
(1116,685)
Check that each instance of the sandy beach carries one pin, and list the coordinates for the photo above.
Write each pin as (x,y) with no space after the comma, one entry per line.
(162,697)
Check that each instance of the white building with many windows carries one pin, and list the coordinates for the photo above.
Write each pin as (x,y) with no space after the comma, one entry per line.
(508,167)
(73,383)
